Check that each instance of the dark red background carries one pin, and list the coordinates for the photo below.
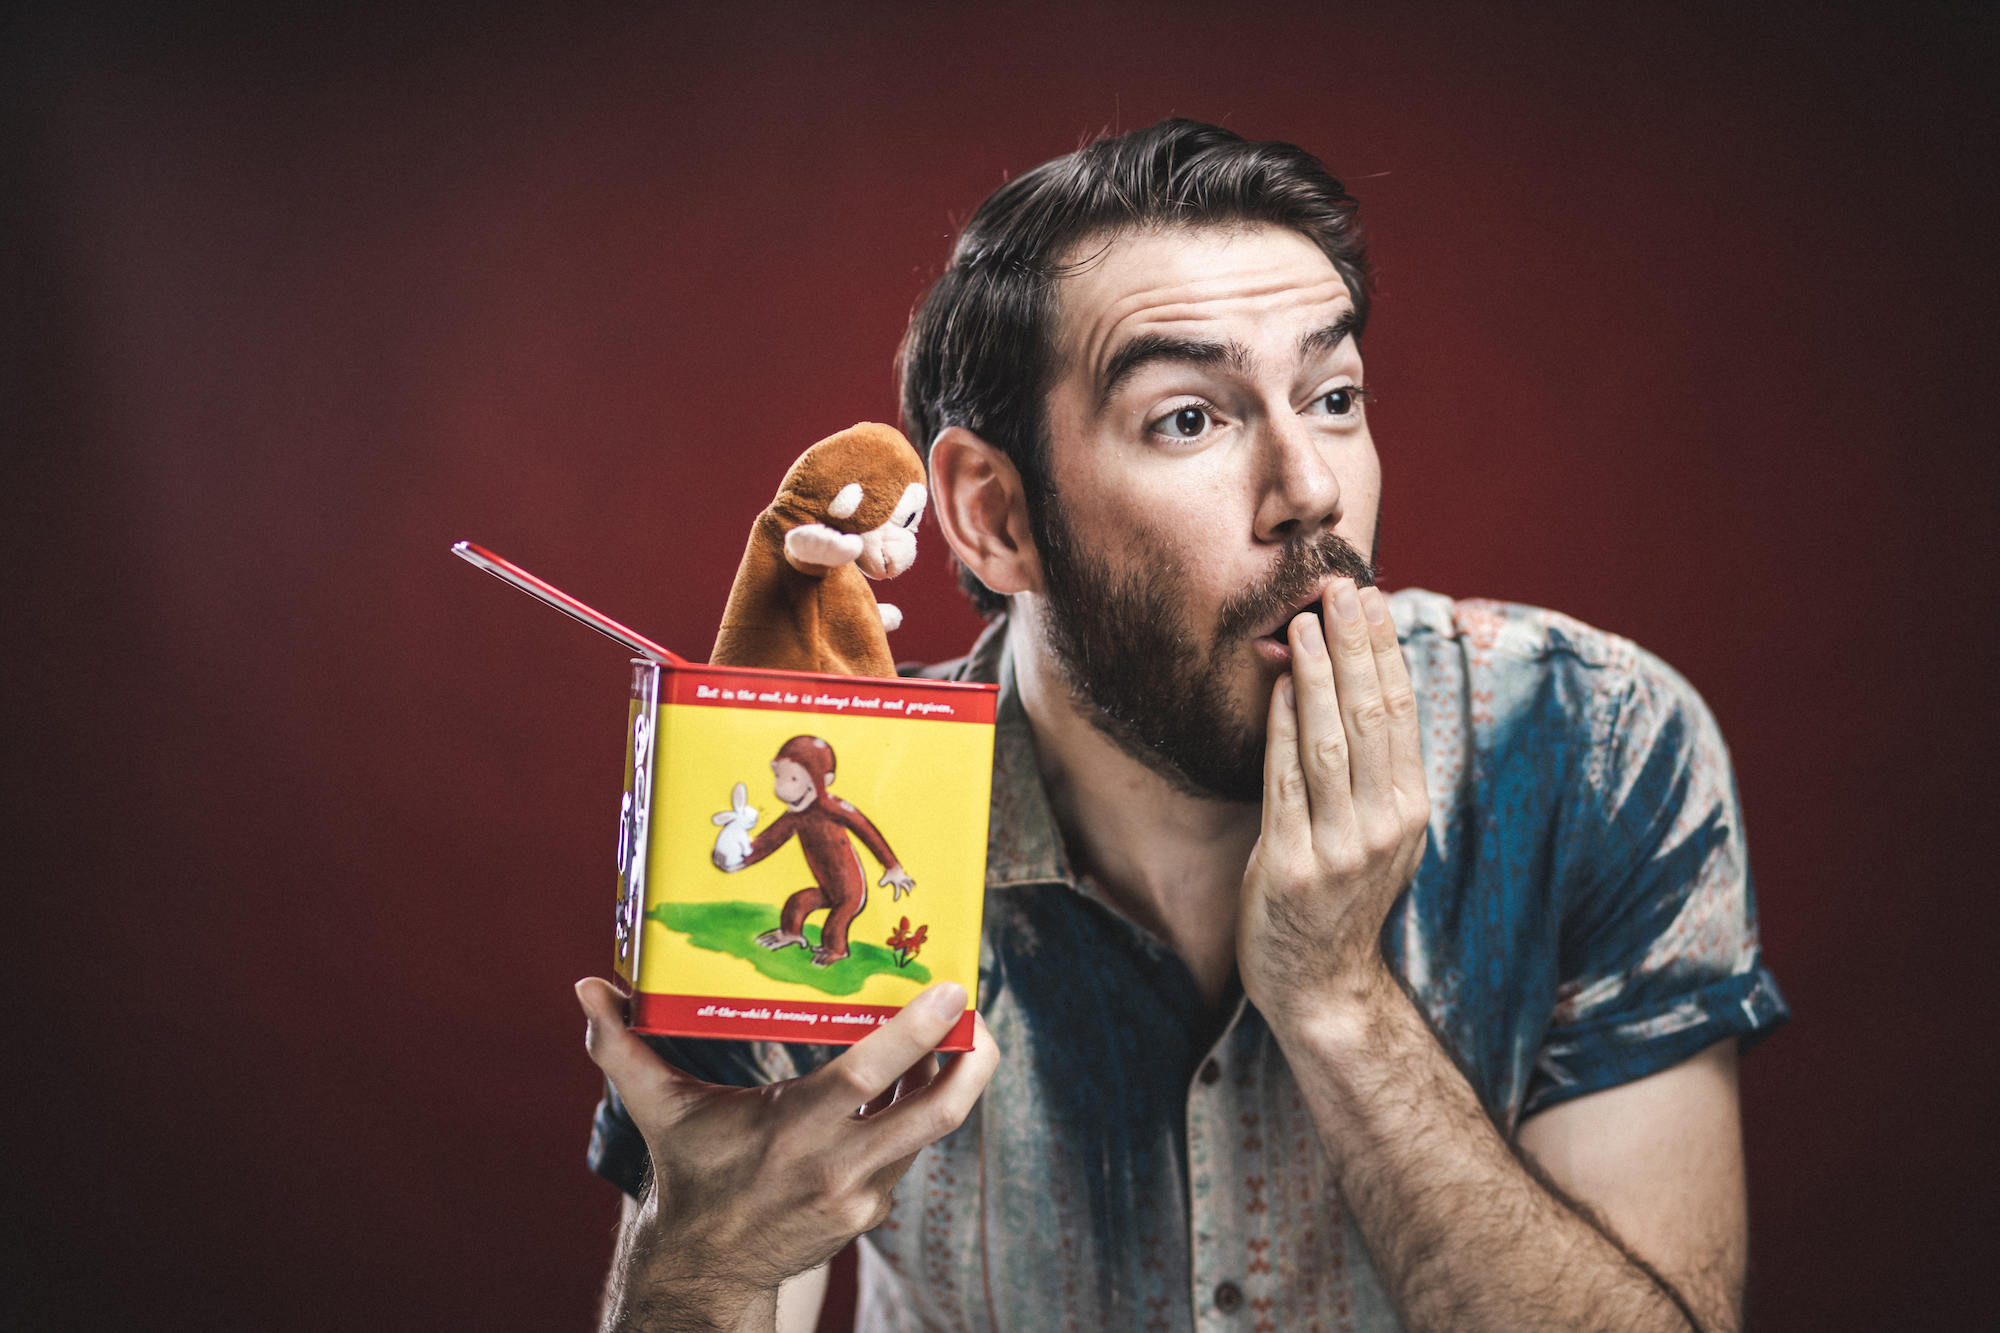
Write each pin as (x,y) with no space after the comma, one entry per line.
(1685,327)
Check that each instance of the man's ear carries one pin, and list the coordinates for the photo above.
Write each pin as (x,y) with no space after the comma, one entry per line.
(982,509)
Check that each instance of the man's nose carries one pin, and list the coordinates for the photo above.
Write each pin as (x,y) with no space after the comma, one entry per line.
(1299,492)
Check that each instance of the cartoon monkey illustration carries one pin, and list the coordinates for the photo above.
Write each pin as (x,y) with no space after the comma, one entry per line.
(849,506)
(801,774)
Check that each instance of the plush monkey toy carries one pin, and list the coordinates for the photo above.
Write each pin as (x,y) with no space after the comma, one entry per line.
(849,506)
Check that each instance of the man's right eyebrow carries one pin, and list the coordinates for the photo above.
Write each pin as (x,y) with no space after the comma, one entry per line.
(1320,341)
(1150,347)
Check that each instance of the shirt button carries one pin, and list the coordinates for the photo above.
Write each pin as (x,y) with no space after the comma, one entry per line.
(1229,1298)
(1211,1071)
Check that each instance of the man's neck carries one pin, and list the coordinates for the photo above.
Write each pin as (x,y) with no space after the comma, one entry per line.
(1173,862)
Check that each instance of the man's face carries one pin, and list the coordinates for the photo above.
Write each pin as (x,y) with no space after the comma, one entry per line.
(1213,472)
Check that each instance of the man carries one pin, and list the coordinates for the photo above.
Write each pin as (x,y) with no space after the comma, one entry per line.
(1358,962)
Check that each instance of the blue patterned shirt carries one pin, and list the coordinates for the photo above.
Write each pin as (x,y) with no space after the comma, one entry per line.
(1582,917)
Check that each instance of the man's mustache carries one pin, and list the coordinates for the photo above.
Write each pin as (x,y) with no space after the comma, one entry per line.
(1303,565)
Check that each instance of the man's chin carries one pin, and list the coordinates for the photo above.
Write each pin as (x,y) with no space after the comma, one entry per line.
(1209,742)
(1218,758)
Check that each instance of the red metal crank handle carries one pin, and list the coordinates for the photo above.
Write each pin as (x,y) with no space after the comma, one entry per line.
(502,568)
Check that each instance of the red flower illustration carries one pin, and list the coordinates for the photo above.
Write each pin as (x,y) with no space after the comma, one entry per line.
(906,942)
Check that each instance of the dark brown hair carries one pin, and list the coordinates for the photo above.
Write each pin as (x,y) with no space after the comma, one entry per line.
(980,351)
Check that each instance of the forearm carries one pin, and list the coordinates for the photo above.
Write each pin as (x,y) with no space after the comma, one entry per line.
(650,1305)
(651,1291)
(1463,1235)
(660,1310)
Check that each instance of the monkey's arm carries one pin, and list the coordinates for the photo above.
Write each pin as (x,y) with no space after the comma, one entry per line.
(771,839)
(871,837)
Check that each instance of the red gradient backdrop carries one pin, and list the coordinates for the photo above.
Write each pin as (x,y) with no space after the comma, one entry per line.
(1685,327)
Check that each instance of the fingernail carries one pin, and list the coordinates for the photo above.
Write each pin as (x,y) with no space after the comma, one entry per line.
(1374,605)
(946,999)
(1345,602)
(1286,693)
(1311,637)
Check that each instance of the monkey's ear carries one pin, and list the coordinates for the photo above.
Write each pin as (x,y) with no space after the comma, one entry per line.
(846,501)
(982,509)
(829,778)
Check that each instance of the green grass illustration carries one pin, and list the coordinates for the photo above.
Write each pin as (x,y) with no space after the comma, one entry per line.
(733,928)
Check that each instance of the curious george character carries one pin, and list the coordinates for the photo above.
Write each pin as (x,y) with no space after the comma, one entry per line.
(802,772)
(849,506)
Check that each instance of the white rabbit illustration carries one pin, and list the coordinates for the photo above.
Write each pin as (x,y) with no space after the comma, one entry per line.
(732,844)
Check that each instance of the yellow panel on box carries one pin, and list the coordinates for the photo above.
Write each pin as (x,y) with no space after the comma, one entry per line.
(813,849)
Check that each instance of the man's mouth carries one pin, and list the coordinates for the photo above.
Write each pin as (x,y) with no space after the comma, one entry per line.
(1263,615)
(1281,632)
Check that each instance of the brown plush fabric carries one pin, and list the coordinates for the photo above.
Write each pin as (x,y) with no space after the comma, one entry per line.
(781,617)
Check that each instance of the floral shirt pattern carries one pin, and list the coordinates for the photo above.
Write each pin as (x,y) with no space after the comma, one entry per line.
(1583,917)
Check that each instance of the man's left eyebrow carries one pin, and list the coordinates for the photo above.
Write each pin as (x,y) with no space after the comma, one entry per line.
(1151,347)
(1324,340)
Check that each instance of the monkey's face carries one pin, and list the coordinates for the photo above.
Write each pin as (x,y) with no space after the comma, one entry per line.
(856,481)
(888,550)
(792,784)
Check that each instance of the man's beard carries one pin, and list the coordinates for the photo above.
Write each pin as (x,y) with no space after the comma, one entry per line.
(1139,668)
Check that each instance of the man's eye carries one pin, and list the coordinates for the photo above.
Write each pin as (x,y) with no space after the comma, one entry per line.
(1187,423)
(1341,402)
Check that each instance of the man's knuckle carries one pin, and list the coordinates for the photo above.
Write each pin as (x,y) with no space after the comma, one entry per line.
(1338,860)
(858,1212)
(885,1203)
(1330,751)
(1370,718)
(938,1120)
(929,1119)
(953,1110)
(854,1081)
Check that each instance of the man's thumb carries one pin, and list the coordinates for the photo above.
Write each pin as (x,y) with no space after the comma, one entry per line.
(640,1076)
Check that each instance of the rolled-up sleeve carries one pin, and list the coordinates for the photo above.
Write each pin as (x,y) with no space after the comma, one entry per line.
(1659,956)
